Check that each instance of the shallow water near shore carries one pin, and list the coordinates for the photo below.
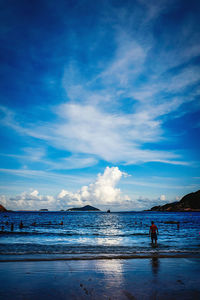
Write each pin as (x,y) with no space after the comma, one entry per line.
(169,278)
(93,234)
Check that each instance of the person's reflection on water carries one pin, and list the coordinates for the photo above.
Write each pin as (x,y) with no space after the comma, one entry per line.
(155,265)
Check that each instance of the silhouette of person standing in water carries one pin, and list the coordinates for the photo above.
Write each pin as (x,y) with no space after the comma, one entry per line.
(21,225)
(153,231)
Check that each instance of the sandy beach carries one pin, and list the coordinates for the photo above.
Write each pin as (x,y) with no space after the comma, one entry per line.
(152,278)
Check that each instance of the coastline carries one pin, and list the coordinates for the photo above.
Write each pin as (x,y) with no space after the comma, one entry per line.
(90,257)
(91,261)
(146,278)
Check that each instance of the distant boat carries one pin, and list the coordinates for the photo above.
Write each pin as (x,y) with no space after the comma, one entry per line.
(108,211)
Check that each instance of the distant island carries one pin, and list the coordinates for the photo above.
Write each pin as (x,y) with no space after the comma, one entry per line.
(84,208)
(190,202)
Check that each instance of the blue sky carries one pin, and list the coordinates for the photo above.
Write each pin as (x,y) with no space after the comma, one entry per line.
(99,103)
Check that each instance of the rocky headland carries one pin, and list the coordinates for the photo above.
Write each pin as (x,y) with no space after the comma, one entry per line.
(2,208)
(190,202)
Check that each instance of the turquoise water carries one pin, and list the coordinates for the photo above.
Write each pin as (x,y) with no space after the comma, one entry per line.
(98,233)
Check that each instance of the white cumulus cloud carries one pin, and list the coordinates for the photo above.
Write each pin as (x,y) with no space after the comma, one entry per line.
(101,193)
(162,198)
(31,200)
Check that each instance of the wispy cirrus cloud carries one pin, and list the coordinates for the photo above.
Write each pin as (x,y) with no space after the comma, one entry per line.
(86,127)
(111,137)
(47,175)
(35,155)
(163,90)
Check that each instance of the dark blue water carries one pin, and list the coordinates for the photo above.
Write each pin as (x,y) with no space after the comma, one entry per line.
(98,233)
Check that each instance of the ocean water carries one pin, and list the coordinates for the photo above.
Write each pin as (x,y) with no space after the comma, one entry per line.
(93,234)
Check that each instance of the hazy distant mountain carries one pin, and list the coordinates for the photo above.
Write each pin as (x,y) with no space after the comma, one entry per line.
(84,208)
(2,208)
(188,203)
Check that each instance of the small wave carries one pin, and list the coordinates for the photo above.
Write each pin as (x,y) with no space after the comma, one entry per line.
(63,249)
(41,256)
(32,233)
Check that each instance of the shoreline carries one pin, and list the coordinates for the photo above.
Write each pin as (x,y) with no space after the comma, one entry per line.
(147,278)
(64,257)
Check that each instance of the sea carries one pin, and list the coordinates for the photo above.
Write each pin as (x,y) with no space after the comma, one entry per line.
(89,235)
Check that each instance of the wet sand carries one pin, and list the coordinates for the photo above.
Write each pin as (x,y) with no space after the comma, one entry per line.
(147,278)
